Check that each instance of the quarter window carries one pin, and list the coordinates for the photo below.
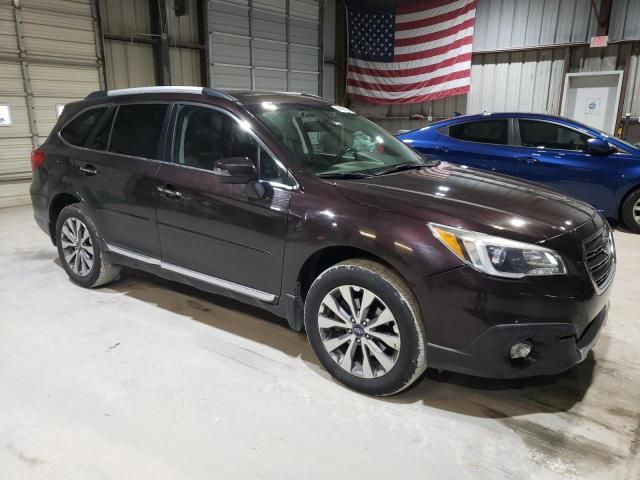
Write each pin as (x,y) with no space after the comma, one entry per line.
(484,131)
(137,130)
(99,139)
(77,131)
(549,135)
(205,135)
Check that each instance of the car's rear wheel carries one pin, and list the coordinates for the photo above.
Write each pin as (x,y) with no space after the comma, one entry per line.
(631,211)
(364,326)
(79,249)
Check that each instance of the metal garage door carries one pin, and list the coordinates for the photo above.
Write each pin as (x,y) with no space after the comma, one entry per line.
(48,57)
(265,44)
(132,43)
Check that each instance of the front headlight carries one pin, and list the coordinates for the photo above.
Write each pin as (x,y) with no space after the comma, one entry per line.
(499,256)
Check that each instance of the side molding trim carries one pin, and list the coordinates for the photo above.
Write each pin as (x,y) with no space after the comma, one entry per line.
(218,282)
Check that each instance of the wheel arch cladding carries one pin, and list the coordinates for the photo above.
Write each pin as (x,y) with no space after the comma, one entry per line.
(58,203)
(327,257)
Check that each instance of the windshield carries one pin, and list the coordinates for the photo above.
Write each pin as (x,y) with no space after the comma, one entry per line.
(332,141)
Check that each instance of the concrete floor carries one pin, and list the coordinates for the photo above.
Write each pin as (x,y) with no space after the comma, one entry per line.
(149,379)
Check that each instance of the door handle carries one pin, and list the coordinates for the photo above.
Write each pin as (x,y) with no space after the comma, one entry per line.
(89,170)
(440,149)
(528,160)
(169,192)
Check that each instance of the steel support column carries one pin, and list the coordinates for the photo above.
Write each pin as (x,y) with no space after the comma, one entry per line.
(97,31)
(26,78)
(251,53)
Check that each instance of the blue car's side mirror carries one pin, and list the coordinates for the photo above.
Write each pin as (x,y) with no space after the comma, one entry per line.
(598,146)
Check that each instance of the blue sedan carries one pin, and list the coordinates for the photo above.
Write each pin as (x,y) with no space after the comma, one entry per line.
(578,160)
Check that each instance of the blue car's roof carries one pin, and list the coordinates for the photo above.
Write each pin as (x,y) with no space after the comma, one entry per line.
(480,116)
(415,134)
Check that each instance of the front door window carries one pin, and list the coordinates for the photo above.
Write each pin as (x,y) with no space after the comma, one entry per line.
(205,135)
(545,135)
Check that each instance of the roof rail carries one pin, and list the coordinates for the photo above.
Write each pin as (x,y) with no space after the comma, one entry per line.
(162,89)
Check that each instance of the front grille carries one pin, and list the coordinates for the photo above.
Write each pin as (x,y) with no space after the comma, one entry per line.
(599,258)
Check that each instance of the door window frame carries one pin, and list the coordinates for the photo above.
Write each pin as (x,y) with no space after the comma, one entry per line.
(163,131)
(170,147)
(518,138)
(510,131)
(109,108)
(114,107)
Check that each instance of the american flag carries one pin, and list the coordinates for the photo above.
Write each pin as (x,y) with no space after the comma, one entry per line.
(421,52)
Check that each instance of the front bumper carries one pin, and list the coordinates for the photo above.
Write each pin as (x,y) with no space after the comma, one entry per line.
(556,348)
(472,320)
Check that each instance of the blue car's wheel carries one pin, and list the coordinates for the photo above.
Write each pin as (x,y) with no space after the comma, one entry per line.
(631,211)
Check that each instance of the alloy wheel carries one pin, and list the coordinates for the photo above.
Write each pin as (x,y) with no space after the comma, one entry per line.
(77,247)
(636,211)
(359,331)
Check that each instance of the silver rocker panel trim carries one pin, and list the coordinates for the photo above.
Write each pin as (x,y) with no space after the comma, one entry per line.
(218,282)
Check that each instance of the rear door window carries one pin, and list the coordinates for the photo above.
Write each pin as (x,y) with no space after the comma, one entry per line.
(538,134)
(77,131)
(137,130)
(495,131)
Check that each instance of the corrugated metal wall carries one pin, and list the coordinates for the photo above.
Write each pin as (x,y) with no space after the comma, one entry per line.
(504,24)
(625,20)
(185,63)
(130,38)
(265,44)
(613,57)
(526,81)
(329,50)
(129,63)
(48,57)
(411,116)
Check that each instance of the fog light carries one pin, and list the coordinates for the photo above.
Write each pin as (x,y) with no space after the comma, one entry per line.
(520,350)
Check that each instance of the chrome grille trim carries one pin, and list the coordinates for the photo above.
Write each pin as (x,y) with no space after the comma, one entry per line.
(600,258)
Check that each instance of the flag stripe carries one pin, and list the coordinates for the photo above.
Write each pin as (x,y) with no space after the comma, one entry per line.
(458,82)
(434,32)
(394,80)
(433,19)
(407,87)
(407,57)
(423,98)
(424,7)
(411,72)
(420,35)
(399,66)
(447,40)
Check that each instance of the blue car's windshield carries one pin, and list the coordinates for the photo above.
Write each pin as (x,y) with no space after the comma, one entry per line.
(332,141)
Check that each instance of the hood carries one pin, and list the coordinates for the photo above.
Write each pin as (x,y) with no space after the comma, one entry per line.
(476,200)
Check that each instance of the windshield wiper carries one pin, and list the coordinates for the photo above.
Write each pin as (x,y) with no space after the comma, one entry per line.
(400,167)
(343,175)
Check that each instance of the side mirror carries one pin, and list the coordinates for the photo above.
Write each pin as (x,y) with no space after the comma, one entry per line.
(598,146)
(235,170)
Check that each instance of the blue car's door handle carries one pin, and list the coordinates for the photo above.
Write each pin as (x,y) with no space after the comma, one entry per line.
(528,160)
(440,149)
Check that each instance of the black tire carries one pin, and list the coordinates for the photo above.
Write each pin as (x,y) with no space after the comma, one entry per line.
(631,203)
(101,271)
(390,289)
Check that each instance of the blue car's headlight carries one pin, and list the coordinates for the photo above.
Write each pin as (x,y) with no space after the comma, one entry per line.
(499,256)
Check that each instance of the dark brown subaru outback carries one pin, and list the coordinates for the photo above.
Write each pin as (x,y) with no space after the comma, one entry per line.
(392,262)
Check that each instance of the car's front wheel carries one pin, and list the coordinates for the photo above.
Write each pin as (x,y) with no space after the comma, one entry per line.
(80,251)
(364,326)
(631,211)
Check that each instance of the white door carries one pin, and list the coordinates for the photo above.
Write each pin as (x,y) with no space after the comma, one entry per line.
(592,98)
